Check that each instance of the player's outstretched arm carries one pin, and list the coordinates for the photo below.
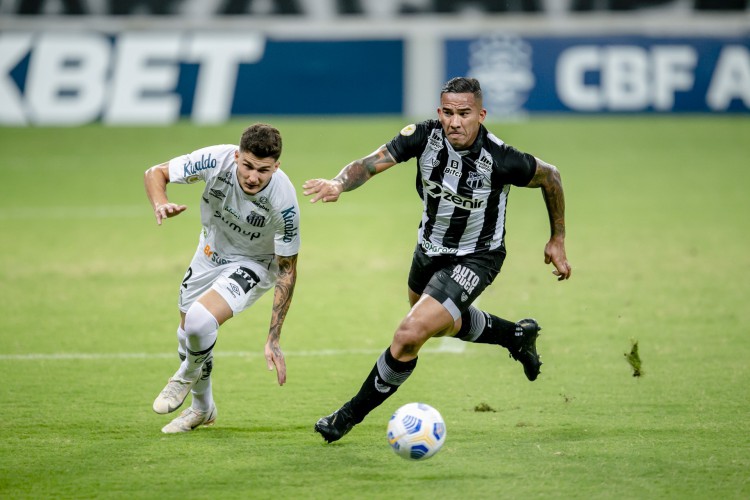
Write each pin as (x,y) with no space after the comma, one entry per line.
(282,299)
(155,180)
(351,176)
(547,177)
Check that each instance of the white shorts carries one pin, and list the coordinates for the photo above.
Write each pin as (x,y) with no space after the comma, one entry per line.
(239,283)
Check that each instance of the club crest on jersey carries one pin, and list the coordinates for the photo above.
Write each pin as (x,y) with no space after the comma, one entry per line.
(475,180)
(408,130)
(256,219)
(435,141)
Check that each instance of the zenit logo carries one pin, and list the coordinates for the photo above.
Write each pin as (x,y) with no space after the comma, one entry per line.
(436,190)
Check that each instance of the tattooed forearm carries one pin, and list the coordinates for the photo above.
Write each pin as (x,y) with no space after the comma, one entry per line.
(282,297)
(360,171)
(548,178)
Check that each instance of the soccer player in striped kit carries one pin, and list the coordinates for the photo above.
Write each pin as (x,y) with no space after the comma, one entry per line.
(464,176)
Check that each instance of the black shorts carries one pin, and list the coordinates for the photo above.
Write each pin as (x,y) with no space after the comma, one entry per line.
(454,281)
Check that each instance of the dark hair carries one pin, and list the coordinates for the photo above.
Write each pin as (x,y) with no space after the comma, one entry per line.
(262,140)
(463,85)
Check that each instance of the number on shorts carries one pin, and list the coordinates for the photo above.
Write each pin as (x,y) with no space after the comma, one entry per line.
(188,274)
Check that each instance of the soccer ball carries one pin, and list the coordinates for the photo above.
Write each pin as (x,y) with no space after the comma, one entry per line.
(416,431)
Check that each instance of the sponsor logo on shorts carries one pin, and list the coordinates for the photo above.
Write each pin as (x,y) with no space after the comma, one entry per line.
(234,290)
(245,278)
(214,256)
(432,248)
(466,278)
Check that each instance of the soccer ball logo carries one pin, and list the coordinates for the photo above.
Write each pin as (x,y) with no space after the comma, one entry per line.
(416,431)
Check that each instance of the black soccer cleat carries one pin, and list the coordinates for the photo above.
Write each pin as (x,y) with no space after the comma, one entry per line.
(336,425)
(527,330)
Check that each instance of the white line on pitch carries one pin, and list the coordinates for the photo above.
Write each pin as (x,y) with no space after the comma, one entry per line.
(83,356)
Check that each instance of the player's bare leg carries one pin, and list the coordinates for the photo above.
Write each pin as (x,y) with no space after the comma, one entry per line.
(426,319)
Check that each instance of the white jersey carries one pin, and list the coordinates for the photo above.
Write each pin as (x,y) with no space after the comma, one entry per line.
(238,226)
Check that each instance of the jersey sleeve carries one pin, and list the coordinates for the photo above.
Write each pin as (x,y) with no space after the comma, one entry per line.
(519,167)
(287,237)
(411,141)
(199,165)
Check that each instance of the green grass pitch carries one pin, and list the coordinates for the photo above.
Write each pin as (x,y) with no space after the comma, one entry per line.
(657,233)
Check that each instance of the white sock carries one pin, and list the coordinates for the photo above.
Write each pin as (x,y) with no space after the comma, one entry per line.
(203,396)
(201,330)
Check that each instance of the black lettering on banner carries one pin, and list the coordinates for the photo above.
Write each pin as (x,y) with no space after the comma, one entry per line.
(245,278)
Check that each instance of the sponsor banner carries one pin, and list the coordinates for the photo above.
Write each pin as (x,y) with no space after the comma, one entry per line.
(621,74)
(49,78)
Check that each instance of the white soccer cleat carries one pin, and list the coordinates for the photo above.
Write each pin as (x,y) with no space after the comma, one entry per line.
(190,419)
(173,395)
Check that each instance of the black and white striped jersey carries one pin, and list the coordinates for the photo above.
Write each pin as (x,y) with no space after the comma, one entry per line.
(465,193)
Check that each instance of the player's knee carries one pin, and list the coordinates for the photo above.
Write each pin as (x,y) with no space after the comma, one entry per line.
(410,336)
(199,322)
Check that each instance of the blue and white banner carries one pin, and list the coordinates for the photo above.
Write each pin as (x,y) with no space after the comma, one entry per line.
(622,74)
(158,77)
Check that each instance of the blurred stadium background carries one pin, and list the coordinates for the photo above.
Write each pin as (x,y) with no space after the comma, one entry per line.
(155,62)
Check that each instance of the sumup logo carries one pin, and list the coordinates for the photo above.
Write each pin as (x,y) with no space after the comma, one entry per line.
(503,65)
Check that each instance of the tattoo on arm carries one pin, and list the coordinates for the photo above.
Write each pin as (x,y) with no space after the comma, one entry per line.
(548,178)
(360,171)
(282,297)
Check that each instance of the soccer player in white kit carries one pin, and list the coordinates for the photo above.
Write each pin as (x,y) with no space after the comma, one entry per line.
(248,244)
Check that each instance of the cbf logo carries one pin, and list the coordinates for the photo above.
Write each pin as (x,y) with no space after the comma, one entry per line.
(503,65)
(466,278)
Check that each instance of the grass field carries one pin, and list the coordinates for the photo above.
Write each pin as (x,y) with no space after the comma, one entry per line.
(658,236)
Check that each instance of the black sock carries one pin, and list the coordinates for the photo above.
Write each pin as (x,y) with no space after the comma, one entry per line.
(484,328)
(384,379)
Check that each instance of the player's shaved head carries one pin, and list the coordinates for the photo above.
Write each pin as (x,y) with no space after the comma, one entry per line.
(463,85)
